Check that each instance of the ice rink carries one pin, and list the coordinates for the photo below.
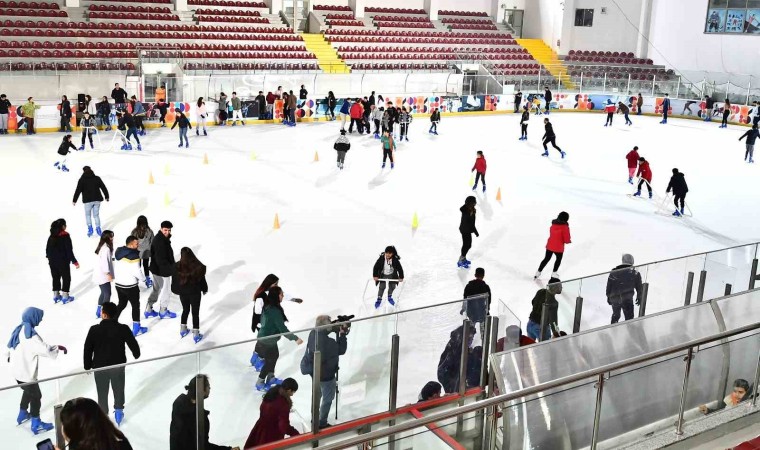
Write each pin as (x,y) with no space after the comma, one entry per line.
(334,224)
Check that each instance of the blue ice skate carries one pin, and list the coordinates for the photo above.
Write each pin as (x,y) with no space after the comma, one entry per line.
(38,426)
(138,330)
(23,416)
(378,302)
(391,301)
(118,416)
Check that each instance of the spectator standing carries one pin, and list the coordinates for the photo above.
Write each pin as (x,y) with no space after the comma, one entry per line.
(430,391)
(87,427)
(5,106)
(331,350)
(183,430)
(128,275)
(189,282)
(89,106)
(477,310)
(64,109)
(270,105)
(104,113)
(200,117)
(160,93)
(29,109)
(639,104)
(518,101)
(303,93)
(544,298)
(665,109)
(161,266)
(372,99)
(222,109)
(60,253)
(237,114)
(93,190)
(119,96)
(622,282)
(261,103)
(292,109)
(331,103)
(274,415)
(548,98)
(103,347)
(726,113)
(103,272)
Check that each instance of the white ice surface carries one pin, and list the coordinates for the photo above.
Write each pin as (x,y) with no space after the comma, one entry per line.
(333,226)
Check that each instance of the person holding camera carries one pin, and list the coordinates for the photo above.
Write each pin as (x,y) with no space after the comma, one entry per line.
(387,267)
(331,350)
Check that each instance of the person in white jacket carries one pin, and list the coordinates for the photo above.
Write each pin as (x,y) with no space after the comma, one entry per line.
(103,273)
(25,347)
(128,275)
(200,117)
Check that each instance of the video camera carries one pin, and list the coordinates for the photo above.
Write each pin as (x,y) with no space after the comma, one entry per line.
(345,327)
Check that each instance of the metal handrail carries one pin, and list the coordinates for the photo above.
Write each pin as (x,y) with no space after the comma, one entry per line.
(559,382)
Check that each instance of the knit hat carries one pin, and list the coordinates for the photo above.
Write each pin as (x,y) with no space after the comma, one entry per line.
(430,389)
(343,132)
(628,259)
(166,224)
(675,171)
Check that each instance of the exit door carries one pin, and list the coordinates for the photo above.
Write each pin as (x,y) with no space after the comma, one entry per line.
(514,18)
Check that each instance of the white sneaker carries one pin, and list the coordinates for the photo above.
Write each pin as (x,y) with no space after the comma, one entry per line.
(555,275)
(538,274)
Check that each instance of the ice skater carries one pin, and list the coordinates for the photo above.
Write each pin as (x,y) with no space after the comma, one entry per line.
(386,268)
(377,116)
(103,272)
(645,176)
(687,108)
(345,109)
(467,228)
(342,146)
(405,119)
(623,108)
(200,117)
(63,150)
(665,109)
(548,137)
(548,99)
(183,123)
(679,187)
(709,106)
(388,145)
(60,254)
(128,276)
(93,190)
(161,266)
(559,235)
(633,163)
(609,108)
(751,135)
(524,124)
(480,170)
(726,113)
(435,119)
(87,124)
(754,115)
(189,282)
(259,298)
(272,324)
(127,122)
(144,236)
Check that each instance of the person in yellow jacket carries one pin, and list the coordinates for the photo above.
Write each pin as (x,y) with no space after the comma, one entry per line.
(28,109)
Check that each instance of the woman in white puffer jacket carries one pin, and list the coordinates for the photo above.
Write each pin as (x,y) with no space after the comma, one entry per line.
(102,273)
(200,117)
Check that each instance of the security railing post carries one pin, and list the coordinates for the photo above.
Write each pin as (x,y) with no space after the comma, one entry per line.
(678,87)
(580,85)
(753,275)
(578,312)
(643,300)
(727,291)
(684,388)
(701,287)
(489,346)
(757,380)
(316,392)
(200,411)
(628,89)
(393,394)
(604,83)
(597,411)
(463,370)
(689,286)
(59,441)
(654,79)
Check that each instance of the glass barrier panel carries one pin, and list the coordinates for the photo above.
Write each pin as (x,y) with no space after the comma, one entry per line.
(740,259)
(565,309)
(740,310)
(596,309)
(668,282)
(507,319)
(718,277)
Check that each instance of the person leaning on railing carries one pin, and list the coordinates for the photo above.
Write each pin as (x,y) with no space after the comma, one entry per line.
(86,427)
(742,391)
(274,418)
(183,430)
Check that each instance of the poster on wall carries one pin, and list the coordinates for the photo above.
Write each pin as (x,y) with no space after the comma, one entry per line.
(716,19)
(735,21)
(752,22)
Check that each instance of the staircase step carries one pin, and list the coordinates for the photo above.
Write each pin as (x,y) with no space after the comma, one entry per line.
(327,56)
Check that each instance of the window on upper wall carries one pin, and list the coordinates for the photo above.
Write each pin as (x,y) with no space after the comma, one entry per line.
(584,17)
(733,17)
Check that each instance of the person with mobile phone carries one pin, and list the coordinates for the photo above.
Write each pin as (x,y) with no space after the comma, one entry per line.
(86,427)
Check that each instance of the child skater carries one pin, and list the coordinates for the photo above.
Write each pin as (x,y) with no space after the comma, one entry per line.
(610,110)
(550,137)
(342,145)
(87,124)
(645,173)
(405,119)
(64,149)
(524,123)
(480,167)
(388,145)
(184,124)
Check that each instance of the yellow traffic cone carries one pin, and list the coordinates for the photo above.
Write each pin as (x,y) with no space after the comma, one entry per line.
(253,156)
(166,169)
(192,210)
(472,178)
(276,222)
(167,200)
(316,156)
(150,178)
(415,221)
(205,158)
(498,195)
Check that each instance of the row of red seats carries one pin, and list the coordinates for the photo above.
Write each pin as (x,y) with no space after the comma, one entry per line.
(227,12)
(152,27)
(69,54)
(400,19)
(133,16)
(346,23)
(446,55)
(500,50)
(375,9)
(400,40)
(132,9)
(128,54)
(68,45)
(467,26)
(470,21)
(232,19)
(33,12)
(404,25)
(30,5)
(39,66)
(514,72)
(601,53)
(139,1)
(622,70)
(119,34)
(237,4)
(444,12)
(432,34)
(250,66)
(397,66)
(248,55)
(331,8)
(335,16)
(608,60)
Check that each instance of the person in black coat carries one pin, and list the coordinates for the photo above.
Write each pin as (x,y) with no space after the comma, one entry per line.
(183,434)
(387,267)
(623,281)
(518,100)
(64,149)
(548,137)
(544,298)
(65,111)
(342,146)
(477,310)
(450,360)
(331,350)
(60,253)
(104,112)
(467,228)
(679,187)
(303,93)
(524,123)
(331,103)
(91,187)
(5,106)
(162,267)
(261,102)
(119,95)
(103,347)
(548,98)
(189,282)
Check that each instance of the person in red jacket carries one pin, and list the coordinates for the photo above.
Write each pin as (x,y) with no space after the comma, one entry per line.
(480,167)
(559,235)
(274,420)
(357,117)
(633,163)
(609,108)
(645,173)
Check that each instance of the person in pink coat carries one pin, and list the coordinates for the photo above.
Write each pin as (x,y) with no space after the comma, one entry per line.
(559,235)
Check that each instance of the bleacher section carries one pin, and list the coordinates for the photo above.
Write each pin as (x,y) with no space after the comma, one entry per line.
(617,66)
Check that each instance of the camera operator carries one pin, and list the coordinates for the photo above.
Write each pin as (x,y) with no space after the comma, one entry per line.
(330,349)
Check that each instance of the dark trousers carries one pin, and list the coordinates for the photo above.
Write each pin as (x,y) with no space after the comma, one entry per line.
(359,125)
(627,119)
(665,115)
(146,264)
(133,132)
(679,198)
(480,176)
(113,378)
(638,111)
(65,123)
(547,257)
(190,302)
(30,125)
(105,119)
(331,111)
(626,306)
(466,243)
(391,285)
(268,351)
(756,120)
(86,134)
(129,295)
(367,124)
(548,140)
(609,118)
(139,123)
(162,119)
(377,126)
(726,113)
(59,274)
(524,128)
(31,397)
(404,129)
(434,126)
(105,294)
(387,153)
(642,182)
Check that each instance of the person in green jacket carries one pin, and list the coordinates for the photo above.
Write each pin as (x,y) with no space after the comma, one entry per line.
(28,110)
(272,324)
(237,113)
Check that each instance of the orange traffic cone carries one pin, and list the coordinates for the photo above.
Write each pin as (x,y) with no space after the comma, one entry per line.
(150,178)
(276,222)
(192,210)
(316,156)
(498,195)
(205,158)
